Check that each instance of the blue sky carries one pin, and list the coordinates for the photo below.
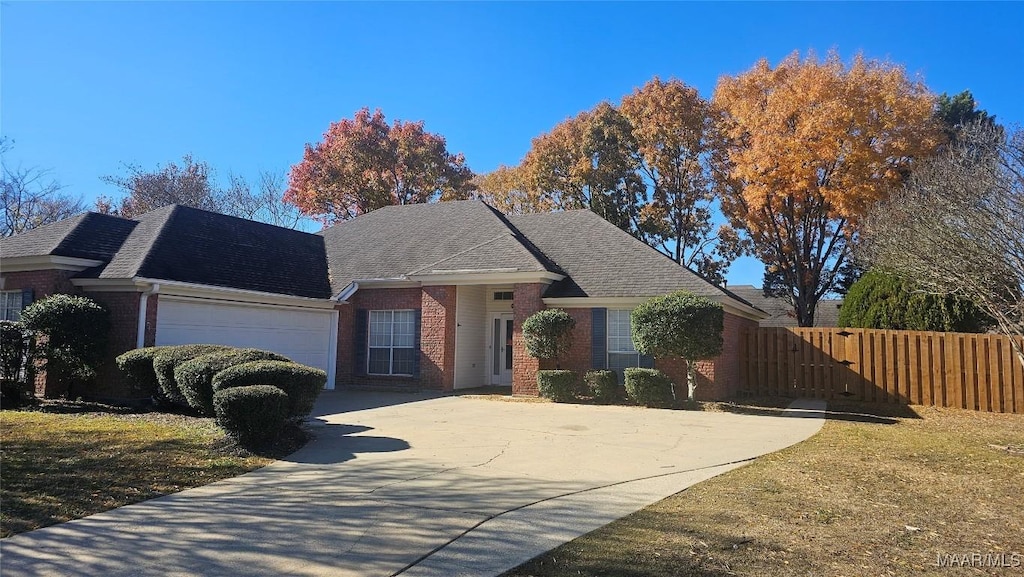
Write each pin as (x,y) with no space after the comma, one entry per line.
(87,86)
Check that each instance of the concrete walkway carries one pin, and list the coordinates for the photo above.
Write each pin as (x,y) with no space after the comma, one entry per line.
(402,484)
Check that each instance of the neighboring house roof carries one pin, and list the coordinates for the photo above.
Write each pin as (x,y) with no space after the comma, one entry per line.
(89,235)
(781,312)
(399,241)
(601,260)
(184,244)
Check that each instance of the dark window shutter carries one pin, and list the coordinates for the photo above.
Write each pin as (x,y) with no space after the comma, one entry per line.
(359,341)
(417,316)
(26,297)
(647,361)
(599,338)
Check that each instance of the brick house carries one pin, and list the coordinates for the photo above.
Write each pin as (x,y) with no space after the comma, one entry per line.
(429,296)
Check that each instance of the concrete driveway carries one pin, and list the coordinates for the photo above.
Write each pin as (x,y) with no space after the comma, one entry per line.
(402,484)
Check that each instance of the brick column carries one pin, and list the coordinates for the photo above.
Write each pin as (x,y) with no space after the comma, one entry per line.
(437,338)
(526,300)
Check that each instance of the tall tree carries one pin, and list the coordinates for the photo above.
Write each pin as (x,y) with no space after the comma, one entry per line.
(589,162)
(194,183)
(958,111)
(364,163)
(508,189)
(673,133)
(807,147)
(955,227)
(31,197)
(190,183)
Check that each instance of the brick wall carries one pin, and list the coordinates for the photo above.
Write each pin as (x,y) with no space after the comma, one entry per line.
(437,338)
(578,359)
(372,299)
(124,325)
(719,378)
(43,284)
(526,300)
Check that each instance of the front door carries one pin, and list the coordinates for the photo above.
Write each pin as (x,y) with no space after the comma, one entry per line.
(501,349)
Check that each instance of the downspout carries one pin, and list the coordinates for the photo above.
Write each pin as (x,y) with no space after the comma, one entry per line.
(140,340)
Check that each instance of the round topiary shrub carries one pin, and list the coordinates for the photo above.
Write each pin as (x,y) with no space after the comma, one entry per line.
(195,376)
(559,386)
(680,324)
(603,385)
(547,334)
(302,384)
(168,358)
(137,365)
(253,415)
(75,330)
(649,387)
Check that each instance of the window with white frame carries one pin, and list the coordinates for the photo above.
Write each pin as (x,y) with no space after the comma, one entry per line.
(621,352)
(11,304)
(392,342)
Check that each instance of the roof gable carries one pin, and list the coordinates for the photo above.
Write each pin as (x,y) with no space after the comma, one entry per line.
(89,235)
(399,241)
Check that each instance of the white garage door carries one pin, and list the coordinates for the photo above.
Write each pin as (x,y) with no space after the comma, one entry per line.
(302,335)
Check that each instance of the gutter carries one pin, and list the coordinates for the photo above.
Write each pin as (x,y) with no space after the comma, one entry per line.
(140,340)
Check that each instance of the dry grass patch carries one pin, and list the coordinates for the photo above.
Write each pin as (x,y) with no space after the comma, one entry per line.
(859,498)
(58,467)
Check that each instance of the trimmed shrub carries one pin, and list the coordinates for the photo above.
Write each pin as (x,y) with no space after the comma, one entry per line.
(302,384)
(253,415)
(547,334)
(137,365)
(76,330)
(603,385)
(17,366)
(649,387)
(680,324)
(559,386)
(170,357)
(195,376)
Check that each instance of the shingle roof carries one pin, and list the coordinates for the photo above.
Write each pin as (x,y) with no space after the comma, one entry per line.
(603,261)
(88,235)
(187,244)
(781,312)
(396,241)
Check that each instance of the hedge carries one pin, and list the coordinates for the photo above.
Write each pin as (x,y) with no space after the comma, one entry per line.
(195,376)
(137,365)
(170,357)
(17,363)
(76,330)
(253,415)
(649,387)
(559,386)
(603,385)
(302,384)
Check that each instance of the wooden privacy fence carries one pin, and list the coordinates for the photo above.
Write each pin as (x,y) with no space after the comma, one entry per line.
(970,371)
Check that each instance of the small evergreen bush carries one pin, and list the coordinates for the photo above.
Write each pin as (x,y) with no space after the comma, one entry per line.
(75,330)
(649,387)
(253,415)
(547,334)
(168,358)
(17,363)
(137,365)
(302,384)
(559,386)
(603,385)
(195,376)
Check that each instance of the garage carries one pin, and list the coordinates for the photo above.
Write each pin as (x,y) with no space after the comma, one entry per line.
(305,335)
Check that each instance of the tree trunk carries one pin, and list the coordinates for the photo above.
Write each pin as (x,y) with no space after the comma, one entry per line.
(691,378)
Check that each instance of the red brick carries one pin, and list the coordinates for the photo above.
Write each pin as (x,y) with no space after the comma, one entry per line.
(526,300)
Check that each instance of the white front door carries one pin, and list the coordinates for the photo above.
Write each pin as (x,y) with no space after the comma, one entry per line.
(501,349)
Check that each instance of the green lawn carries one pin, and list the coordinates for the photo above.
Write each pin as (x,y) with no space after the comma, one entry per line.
(57,467)
(885,497)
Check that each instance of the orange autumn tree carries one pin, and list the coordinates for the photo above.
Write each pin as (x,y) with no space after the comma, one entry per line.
(509,190)
(364,163)
(806,148)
